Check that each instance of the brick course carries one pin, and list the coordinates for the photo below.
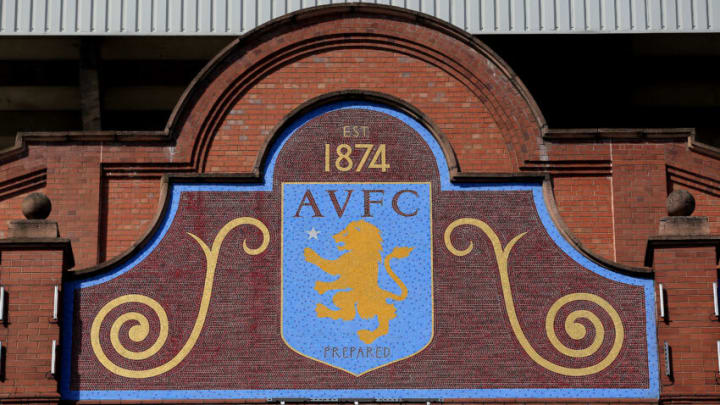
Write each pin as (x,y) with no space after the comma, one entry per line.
(690,328)
(29,278)
(611,194)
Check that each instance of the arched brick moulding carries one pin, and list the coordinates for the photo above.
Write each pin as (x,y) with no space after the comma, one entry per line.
(245,62)
(362,95)
(257,175)
(207,99)
(242,64)
(249,52)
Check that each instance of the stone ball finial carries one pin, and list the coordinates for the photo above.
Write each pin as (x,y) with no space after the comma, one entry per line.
(36,206)
(680,203)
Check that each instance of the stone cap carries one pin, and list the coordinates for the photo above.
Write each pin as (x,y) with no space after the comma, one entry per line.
(36,232)
(36,207)
(40,244)
(33,228)
(684,226)
(659,242)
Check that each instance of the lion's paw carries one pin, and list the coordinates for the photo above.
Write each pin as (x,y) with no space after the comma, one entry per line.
(367,336)
(320,287)
(321,310)
(310,255)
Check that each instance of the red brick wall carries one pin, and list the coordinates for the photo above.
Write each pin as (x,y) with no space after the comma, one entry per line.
(691,328)
(466,119)
(131,206)
(458,114)
(700,175)
(10,209)
(74,187)
(29,277)
(639,192)
(71,179)
(586,207)
(611,194)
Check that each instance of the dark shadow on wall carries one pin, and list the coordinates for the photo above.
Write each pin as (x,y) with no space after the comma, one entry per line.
(620,81)
(579,81)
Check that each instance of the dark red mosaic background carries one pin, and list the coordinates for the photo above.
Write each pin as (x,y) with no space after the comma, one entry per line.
(473,347)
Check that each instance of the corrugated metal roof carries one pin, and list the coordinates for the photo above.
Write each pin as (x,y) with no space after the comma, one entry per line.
(233,17)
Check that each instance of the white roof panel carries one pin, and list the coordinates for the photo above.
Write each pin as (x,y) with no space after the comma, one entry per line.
(235,17)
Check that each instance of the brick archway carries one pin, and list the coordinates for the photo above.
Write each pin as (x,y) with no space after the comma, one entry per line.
(476,101)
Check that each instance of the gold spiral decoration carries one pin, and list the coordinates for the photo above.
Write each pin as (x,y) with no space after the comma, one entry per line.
(141,330)
(574,329)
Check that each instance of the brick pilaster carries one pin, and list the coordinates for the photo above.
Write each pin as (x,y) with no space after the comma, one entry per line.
(30,268)
(686,266)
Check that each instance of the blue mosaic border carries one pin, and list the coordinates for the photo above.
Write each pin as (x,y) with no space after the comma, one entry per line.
(653,391)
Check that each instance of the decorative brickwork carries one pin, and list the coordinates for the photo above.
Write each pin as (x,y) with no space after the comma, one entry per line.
(486,334)
(689,327)
(31,270)
(107,191)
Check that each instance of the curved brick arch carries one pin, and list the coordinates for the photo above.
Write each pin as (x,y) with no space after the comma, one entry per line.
(350,95)
(492,125)
(484,108)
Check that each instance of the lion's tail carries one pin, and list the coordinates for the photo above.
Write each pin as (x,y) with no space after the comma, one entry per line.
(397,253)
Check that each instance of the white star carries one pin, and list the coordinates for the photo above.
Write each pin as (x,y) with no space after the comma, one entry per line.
(312,234)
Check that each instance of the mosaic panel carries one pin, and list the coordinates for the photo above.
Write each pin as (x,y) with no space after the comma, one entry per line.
(357,269)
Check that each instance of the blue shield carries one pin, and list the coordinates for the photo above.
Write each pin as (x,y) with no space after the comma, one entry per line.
(357,272)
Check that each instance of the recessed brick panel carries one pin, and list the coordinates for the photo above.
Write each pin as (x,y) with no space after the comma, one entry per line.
(241,348)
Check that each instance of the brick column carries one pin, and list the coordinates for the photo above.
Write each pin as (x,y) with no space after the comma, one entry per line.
(684,257)
(32,262)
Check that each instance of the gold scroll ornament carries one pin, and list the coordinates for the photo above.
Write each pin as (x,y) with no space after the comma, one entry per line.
(573,328)
(140,331)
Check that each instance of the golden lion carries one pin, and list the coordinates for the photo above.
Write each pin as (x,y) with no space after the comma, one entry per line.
(358,271)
